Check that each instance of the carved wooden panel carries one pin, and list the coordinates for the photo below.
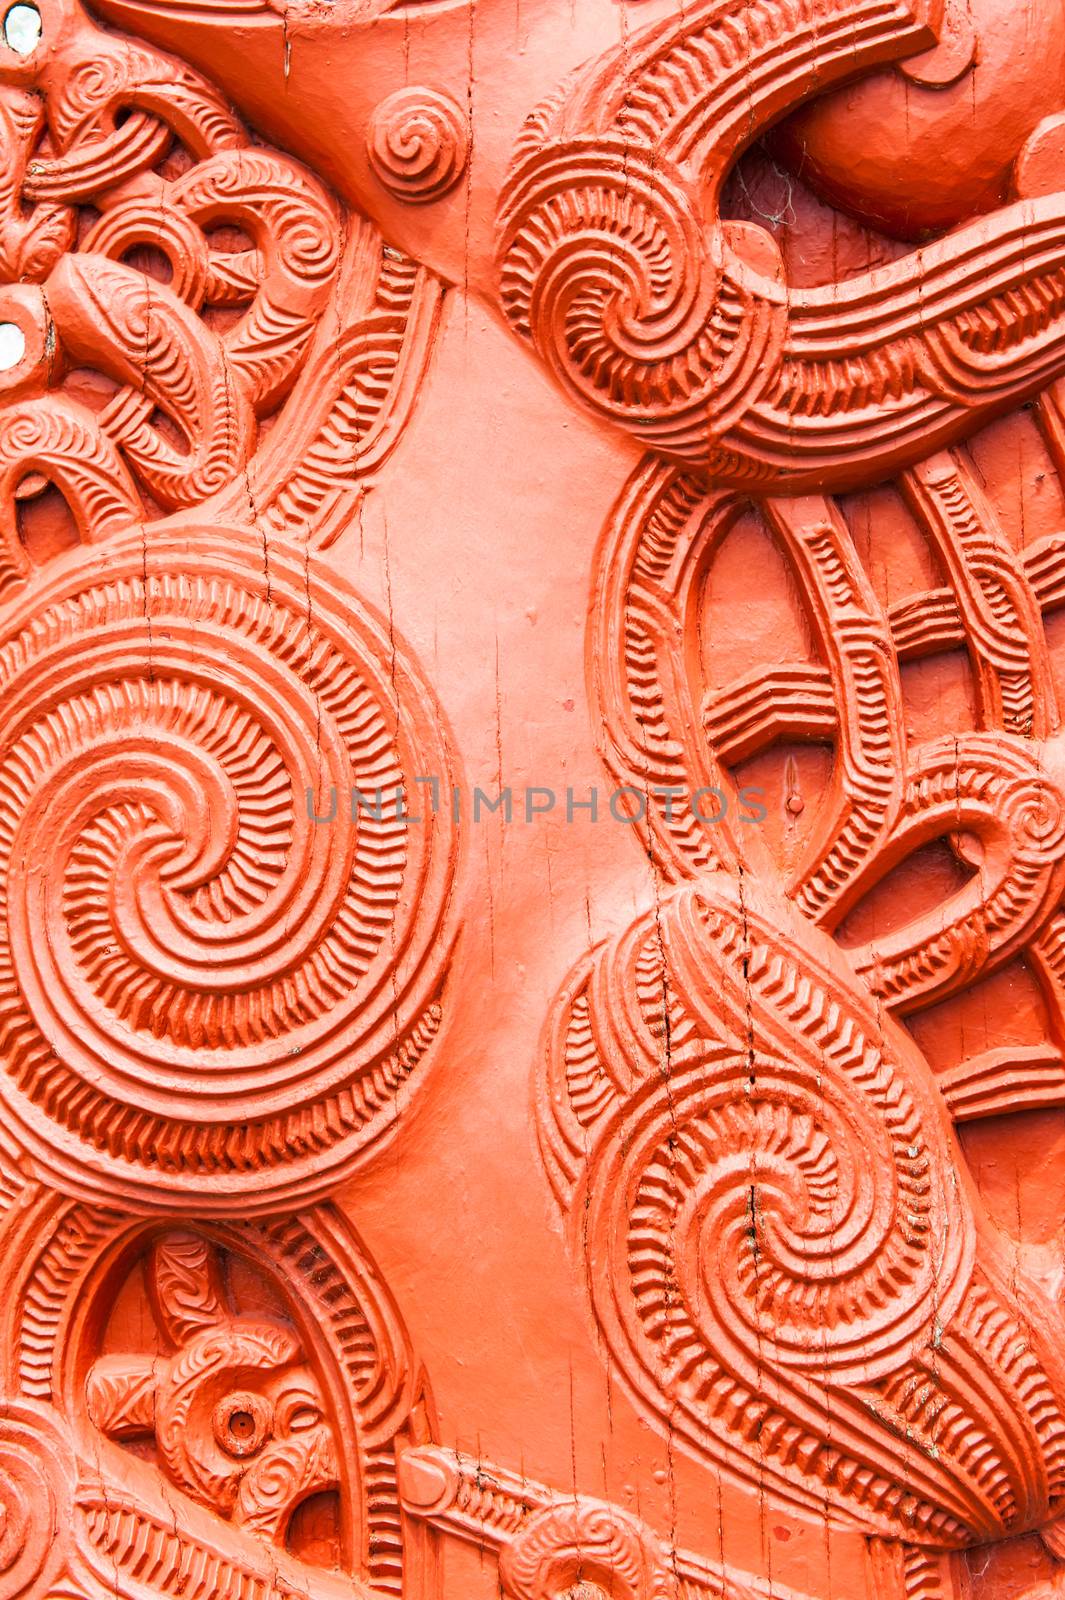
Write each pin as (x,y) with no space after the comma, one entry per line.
(532,800)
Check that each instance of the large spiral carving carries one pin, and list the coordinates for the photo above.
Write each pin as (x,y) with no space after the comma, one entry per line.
(608,268)
(202,989)
(679,325)
(761,1183)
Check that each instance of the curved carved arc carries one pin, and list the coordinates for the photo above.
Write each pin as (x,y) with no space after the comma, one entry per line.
(755,60)
(297,232)
(993,1396)
(355,392)
(943,342)
(585,1546)
(680,328)
(616,1024)
(1000,614)
(281,284)
(659,543)
(139,333)
(224,1000)
(37,1492)
(67,1261)
(661,531)
(113,106)
(1005,793)
(32,240)
(769,1089)
(855,640)
(63,442)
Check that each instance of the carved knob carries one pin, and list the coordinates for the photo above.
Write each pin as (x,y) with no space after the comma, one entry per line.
(419,141)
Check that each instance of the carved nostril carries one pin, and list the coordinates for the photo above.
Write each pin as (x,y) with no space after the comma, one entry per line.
(23,29)
(12,345)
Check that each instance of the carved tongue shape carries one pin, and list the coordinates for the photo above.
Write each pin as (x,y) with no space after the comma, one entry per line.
(930,143)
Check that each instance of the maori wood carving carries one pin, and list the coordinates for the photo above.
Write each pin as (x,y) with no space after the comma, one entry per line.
(213,1003)
(345,350)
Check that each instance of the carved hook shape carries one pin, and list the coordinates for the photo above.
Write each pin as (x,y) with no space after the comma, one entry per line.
(112,106)
(679,326)
(139,333)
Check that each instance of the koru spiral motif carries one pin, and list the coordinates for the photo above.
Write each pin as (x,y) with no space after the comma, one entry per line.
(792,1271)
(221,974)
(679,324)
(206,987)
(237,994)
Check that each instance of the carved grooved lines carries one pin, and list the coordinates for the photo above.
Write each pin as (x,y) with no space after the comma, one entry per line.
(350,1361)
(212,1005)
(1000,614)
(682,328)
(323,1009)
(695,1170)
(704,1365)
(482,1503)
(854,635)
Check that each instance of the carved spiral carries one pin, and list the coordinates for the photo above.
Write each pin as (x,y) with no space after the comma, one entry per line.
(287,1474)
(35,1473)
(609,268)
(418,144)
(282,284)
(771,1198)
(585,1551)
(203,990)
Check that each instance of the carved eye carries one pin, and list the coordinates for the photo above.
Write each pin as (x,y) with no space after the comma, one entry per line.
(296,1414)
(12,342)
(242,1423)
(22,29)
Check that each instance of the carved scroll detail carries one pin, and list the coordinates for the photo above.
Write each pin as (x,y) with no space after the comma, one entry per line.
(224,950)
(208,983)
(784,1254)
(681,327)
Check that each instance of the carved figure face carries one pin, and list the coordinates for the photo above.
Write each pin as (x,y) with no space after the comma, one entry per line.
(236,1414)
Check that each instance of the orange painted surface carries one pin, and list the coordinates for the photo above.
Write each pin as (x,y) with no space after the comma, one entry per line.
(532,800)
